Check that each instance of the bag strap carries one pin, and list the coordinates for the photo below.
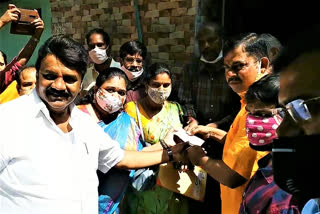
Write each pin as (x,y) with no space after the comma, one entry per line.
(139,121)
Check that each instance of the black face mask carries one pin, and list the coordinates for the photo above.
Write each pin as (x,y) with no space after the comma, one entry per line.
(296,162)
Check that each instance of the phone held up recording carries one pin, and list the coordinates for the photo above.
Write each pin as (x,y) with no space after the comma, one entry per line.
(23,25)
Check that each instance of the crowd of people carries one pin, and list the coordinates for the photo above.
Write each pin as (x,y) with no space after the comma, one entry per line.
(97,130)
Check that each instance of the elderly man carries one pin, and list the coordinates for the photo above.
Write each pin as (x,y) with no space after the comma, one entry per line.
(132,58)
(296,152)
(50,166)
(245,61)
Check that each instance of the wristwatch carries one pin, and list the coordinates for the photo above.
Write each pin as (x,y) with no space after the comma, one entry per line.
(167,148)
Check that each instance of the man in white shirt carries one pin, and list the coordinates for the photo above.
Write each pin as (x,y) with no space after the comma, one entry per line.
(49,164)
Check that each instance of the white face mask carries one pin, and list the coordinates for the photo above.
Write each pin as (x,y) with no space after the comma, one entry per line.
(98,55)
(132,76)
(159,96)
(107,101)
(211,62)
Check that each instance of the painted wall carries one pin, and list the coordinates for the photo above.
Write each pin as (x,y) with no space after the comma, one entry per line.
(11,44)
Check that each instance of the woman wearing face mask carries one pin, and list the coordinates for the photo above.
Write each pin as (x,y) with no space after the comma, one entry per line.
(104,103)
(261,193)
(156,116)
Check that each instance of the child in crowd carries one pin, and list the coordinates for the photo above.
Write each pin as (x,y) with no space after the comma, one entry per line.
(261,194)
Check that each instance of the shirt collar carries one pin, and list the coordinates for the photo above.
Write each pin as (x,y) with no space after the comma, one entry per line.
(39,104)
(41,107)
(242,98)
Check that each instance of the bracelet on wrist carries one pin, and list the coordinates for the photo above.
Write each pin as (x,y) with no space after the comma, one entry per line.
(167,148)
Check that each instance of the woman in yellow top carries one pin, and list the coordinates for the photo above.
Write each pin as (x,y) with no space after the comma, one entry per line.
(156,116)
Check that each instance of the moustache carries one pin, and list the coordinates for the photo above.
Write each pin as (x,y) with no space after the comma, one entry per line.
(234,79)
(56,93)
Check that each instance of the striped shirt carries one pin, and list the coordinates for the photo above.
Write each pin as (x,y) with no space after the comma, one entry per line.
(205,94)
(262,195)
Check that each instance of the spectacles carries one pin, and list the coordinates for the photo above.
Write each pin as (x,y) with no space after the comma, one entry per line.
(99,45)
(131,60)
(301,110)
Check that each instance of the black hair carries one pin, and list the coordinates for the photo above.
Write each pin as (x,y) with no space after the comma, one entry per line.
(252,43)
(108,74)
(155,69)
(18,73)
(132,48)
(4,57)
(105,35)
(265,90)
(102,77)
(71,53)
(273,45)
(304,42)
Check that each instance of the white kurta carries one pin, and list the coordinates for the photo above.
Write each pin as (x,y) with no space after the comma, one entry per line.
(45,171)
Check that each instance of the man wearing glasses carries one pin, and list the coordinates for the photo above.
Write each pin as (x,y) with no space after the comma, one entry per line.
(296,153)
(132,58)
(99,48)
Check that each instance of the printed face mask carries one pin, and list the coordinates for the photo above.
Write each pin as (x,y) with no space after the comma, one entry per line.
(261,131)
(107,101)
(132,75)
(98,55)
(159,96)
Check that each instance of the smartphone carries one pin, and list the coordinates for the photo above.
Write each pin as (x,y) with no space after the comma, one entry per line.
(23,24)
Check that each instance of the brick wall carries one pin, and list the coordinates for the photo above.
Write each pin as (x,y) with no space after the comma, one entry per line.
(168,25)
